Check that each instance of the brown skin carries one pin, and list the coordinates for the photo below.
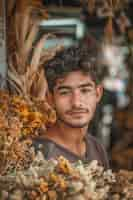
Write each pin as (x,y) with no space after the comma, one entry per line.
(74,98)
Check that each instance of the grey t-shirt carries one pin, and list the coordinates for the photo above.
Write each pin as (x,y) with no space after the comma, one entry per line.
(94,151)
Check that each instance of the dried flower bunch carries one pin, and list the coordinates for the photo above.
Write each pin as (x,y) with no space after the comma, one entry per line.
(123,187)
(60,180)
(54,180)
(19,121)
(109,9)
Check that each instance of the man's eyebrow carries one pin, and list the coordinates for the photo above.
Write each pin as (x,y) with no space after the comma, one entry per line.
(86,85)
(63,87)
(70,87)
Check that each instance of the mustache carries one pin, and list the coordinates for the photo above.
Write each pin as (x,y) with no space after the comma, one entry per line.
(77,110)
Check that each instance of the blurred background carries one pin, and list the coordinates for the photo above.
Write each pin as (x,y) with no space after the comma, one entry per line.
(96,22)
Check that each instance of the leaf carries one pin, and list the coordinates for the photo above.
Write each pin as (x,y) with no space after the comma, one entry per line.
(30,79)
(38,52)
(91,6)
(109,31)
(48,54)
(26,23)
(15,78)
(40,87)
(10,7)
(28,43)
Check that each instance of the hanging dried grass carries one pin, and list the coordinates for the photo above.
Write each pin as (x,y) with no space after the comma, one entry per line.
(26,77)
(91,6)
(109,31)
(114,6)
(26,52)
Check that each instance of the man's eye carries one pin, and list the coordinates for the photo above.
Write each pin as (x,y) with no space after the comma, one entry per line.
(86,90)
(64,92)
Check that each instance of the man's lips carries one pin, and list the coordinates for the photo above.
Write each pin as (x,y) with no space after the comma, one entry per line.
(75,112)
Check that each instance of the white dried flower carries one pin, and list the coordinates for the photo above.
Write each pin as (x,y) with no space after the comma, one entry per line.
(76,186)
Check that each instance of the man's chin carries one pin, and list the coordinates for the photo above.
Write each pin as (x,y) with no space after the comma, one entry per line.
(75,124)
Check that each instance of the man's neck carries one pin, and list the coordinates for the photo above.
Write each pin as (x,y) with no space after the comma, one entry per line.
(68,137)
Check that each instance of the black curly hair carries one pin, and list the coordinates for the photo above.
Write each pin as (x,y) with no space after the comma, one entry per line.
(73,59)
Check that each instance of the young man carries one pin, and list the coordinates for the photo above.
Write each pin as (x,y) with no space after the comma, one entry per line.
(73,77)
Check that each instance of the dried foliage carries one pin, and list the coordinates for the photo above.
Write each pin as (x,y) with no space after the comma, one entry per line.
(91,6)
(19,121)
(26,53)
(108,9)
(123,187)
(59,179)
(113,7)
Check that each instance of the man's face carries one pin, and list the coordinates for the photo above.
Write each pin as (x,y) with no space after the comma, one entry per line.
(75,97)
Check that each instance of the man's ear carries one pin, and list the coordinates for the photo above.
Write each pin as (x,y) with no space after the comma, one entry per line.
(99,92)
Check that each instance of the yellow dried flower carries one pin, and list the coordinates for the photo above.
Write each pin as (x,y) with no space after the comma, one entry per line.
(43,186)
(52,195)
(57,179)
(62,184)
(23,111)
(53,177)
(26,131)
(37,116)
(64,166)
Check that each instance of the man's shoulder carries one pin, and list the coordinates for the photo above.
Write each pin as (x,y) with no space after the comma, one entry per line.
(93,139)
(97,148)
(95,142)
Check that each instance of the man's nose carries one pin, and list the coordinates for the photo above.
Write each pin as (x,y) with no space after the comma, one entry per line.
(76,99)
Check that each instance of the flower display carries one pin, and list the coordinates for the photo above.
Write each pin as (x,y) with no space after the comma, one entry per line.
(58,179)
(25,175)
(19,121)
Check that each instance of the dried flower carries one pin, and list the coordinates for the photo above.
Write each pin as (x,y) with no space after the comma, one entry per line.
(19,120)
